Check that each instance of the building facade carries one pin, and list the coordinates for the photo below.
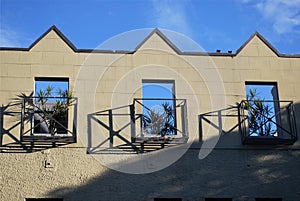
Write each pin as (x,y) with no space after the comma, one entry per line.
(227,130)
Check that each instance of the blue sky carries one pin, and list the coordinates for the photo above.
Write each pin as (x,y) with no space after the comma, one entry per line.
(213,24)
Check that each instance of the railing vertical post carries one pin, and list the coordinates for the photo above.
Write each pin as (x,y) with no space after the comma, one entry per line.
(220,122)
(184,119)
(1,123)
(132,122)
(293,126)
(141,125)
(200,117)
(22,120)
(74,131)
(240,121)
(111,129)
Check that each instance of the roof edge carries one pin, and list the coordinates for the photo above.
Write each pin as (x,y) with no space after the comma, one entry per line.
(162,36)
(59,33)
(52,28)
(265,41)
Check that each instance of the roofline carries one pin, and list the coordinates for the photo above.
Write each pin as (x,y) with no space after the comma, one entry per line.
(268,44)
(162,36)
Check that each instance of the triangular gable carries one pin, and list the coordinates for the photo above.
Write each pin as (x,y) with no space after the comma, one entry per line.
(53,39)
(157,40)
(257,45)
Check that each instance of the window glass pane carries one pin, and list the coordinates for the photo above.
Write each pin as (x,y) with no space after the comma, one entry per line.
(56,83)
(263,91)
(50,114)
(158,111)
(263,108)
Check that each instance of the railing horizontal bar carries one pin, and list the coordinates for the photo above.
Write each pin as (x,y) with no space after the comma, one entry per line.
(51,97)
(284,101)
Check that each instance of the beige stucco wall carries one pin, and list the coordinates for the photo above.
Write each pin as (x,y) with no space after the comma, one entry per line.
(105,80)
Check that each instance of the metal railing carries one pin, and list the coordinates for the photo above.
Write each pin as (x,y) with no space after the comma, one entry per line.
(267,122)
(131,125)
(53,119)
(160,119)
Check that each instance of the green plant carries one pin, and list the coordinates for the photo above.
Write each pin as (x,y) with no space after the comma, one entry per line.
(160,120)
(259,115)
(52,112)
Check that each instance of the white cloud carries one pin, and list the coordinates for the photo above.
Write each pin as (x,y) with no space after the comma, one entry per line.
(8,38)
(171,15)
(284,15)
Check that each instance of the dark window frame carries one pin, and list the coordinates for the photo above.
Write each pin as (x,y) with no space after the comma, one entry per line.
(275,127)
(43,126)
(164,81)
(51,79)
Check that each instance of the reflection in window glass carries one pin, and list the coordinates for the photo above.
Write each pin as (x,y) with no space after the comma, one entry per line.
(263,108)
(50,111)
(159,108)
(56,83)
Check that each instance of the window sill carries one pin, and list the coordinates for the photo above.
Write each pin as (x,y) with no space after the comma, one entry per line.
(49,138)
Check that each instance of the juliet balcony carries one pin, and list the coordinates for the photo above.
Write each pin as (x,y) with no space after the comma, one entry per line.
(267,122)
(145,125)
(49,119)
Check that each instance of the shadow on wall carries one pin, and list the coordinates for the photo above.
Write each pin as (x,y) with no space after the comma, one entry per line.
(242,174)
(238,173)
(12,111)
(287,126)
(215,120)
(297,116)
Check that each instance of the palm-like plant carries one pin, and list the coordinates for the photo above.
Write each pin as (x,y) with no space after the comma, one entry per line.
(53,114)
(160,121)
(259,115)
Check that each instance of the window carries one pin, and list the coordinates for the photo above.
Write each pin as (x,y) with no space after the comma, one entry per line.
(160,117)
(263,118)
(218,199)
(263,107)
(56,83)
(50,115)
(51,106)
(158,98)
